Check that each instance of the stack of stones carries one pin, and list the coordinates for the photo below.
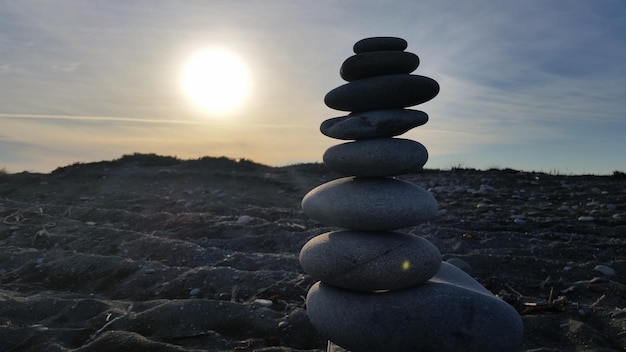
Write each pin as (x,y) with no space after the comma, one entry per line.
(380,289)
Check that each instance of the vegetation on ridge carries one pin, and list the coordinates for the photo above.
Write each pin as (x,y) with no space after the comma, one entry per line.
(149,159)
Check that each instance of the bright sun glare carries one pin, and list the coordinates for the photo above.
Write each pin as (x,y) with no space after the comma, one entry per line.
(216,80)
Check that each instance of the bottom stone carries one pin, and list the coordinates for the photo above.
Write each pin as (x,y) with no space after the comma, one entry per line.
(450,312)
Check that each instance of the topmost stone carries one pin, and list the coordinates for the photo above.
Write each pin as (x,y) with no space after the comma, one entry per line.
(379,44)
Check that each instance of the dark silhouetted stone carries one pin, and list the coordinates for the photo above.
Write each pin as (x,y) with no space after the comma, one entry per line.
(373,124)
(379,43)
(378,63)
(382,92)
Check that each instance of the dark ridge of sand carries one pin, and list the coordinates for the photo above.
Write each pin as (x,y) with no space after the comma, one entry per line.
(154,253)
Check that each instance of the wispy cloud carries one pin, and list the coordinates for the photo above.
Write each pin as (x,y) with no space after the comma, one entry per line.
(101,118)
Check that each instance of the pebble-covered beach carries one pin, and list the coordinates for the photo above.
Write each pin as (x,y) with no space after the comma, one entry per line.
(154,253)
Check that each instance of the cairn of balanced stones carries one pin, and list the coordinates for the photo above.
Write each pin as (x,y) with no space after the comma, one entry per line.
(381,289)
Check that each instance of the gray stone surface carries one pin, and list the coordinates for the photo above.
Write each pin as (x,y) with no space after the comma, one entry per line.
(450,273)
(368,261)
(442,316)
(370,204)
(461,264)
(382,92)
(376,157)
(379,43)
(373,124)
(377,63)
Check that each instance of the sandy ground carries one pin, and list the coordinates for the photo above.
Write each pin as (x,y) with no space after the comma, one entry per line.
(149,253)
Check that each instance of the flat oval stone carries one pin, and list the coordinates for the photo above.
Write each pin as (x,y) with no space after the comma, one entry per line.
(369,261)
(373,124)
(443,316)
(377,63)
(382,92)
(379,43)
(369,204)
(377,157)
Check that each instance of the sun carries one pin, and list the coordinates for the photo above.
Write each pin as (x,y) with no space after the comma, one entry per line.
(217,81)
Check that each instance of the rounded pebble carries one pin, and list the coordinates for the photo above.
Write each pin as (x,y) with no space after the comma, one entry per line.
(378,63)
(439,315)
(244,219)
(370,204)
(382,92)
(586,218)
(370,261)
(373,124)
(606,270)
(376,157)
(379,43)
(263,302)
(519,221)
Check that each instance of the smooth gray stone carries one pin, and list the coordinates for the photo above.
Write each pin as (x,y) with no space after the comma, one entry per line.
(379,43)
(439,316)
(382,92)
(461,264)
(369,261)
(369,204)
(376,157)
(378,63)
(373,124)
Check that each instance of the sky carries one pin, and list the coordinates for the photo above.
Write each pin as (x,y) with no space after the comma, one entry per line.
(537,85)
